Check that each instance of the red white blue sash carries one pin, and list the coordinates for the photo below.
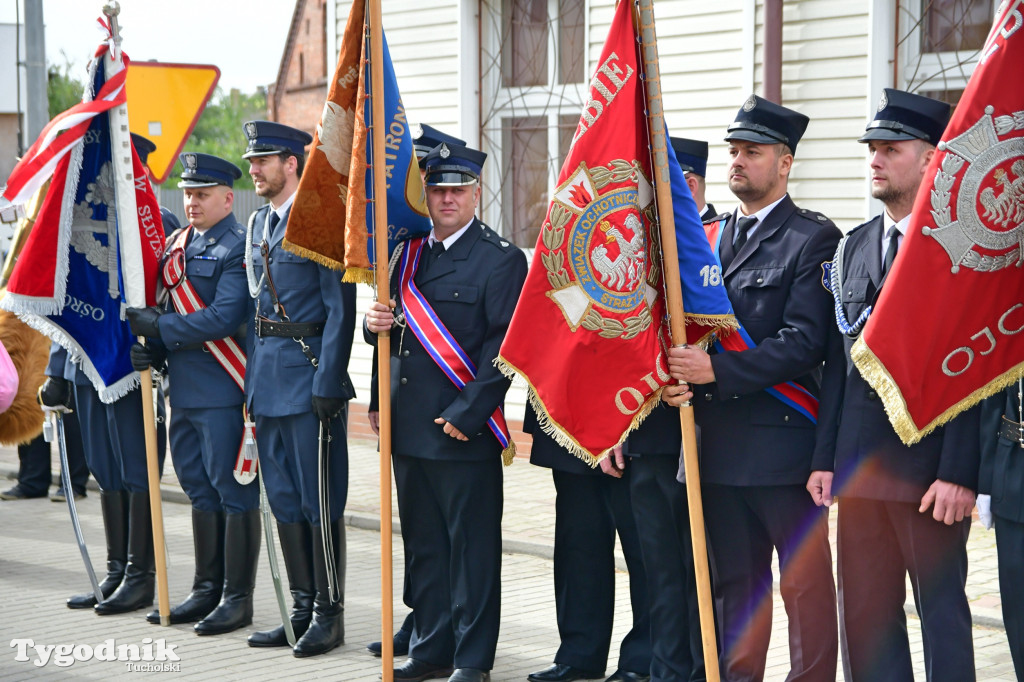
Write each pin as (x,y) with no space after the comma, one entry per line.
(789,392)
(227,351)
(438,341)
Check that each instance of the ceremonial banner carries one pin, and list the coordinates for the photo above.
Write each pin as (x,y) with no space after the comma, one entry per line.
(329,221)
(69,280)
(589,333)
(947,329)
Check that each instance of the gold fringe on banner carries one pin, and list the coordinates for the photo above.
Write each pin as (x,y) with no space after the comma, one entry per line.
(878,377)
(312,255)
(557,432)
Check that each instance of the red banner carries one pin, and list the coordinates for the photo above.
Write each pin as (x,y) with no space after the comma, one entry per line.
(947,330)
(588,335)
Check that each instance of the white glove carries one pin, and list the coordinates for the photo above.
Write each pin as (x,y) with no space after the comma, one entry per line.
(984,503)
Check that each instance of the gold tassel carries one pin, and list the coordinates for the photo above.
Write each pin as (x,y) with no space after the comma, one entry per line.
(309,254)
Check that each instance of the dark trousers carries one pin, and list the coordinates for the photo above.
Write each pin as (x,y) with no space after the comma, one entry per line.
(744,525)
(34,470)
(115,440)
(879,543)
(1010,547)
(589,509)
(289,454)
(451,531)
(204,447)
(659,505)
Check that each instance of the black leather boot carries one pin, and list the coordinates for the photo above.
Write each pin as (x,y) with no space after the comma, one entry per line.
(296,548)
(327,629)
(241,551)
(136,590)
(114,507)
(208,540)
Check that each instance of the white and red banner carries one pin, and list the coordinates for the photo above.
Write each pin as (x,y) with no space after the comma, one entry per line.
(948,329)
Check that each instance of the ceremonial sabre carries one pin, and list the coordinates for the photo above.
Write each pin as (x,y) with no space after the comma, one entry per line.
(325,510)
(249,446)
(56,413)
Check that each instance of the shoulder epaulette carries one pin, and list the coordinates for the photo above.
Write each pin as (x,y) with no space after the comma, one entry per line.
(493,237)
(820,218)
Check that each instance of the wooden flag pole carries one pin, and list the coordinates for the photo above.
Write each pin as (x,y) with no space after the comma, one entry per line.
(659,149)
(135,294)
(380,260)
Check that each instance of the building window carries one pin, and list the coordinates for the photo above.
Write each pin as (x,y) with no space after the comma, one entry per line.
(533,77)
(942,41)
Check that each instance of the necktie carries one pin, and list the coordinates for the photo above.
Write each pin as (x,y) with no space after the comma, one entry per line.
(890,251)
(428,259)
(274,220)
(743,226)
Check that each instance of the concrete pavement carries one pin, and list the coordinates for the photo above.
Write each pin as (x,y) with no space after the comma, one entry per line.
(40,567)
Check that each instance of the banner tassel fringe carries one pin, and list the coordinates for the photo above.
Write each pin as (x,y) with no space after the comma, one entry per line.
(312,255)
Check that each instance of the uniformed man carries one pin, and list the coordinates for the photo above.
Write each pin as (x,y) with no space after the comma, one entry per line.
(144,147)
(447,442)
(1002,480)
(202,338)
(427,138)
(114,438)
(297,388)
(756,448)
(902,509)
(693,159)
(590,508)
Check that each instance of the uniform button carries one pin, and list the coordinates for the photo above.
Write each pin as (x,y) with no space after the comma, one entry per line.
(707,398)
(405,353)
(872,395)
(270,260)
(785,418)
(455,295)
(404,380)
(760,280)
(849,293)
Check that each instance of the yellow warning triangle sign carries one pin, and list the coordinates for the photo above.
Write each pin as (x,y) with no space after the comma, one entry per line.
(164,104)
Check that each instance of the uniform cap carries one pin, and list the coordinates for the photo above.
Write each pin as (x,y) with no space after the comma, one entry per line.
(906,116)
(206,170)
(764,122)
(691,154)
(428,137)
(143,147)
(453,166)
(267,138)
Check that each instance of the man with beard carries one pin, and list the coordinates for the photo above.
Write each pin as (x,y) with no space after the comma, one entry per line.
(297,390)
(903,509)
(755,402)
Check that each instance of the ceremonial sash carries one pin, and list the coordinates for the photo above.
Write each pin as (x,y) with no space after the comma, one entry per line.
(226,351)
(439,342)
(789,392)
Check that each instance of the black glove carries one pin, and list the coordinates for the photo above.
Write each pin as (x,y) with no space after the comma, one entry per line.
(55,392)
(144,357)
(143,321)
(327,409)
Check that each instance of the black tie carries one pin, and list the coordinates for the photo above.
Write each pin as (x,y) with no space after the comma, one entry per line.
(274,220)
(436,249)
(890,251)
(743,226)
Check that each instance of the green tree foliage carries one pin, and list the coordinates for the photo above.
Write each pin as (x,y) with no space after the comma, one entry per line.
(219,131)
(63,90)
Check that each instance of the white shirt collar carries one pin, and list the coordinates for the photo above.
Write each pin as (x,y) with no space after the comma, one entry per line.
(450,239)
(760,216)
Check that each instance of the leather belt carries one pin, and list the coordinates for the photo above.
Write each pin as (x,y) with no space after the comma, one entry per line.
(265,327)
(1011,431)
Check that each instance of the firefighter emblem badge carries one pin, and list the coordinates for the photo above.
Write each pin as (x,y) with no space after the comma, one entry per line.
(980,224)
(599,261)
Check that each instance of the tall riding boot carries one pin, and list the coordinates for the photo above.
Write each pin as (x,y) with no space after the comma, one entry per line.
(327,630)
(114,506)
(241,551)
(208,540)
(136,590)
(296,548)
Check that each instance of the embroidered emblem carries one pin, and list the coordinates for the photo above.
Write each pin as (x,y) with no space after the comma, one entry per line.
(190,163)
(750,103)
(599,260)
(884,102)
(984,230)
(417,132)
(250,130)
(445,152)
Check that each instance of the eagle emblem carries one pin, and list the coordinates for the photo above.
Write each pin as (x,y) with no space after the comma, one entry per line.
(981,226)
(250,130)
(190,162)
(599,260)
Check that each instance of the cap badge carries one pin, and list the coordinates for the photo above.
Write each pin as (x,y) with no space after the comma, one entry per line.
(250,130)
(884,102)
(445,152)
(417,132)
(190,163)
(750,103)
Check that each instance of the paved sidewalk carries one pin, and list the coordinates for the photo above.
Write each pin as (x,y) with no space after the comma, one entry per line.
(40,567)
